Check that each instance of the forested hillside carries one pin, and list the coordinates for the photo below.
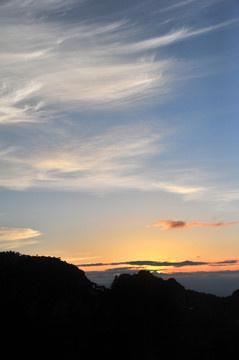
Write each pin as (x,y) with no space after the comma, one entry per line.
(50,309)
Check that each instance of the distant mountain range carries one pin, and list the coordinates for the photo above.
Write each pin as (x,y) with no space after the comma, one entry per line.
(49,309)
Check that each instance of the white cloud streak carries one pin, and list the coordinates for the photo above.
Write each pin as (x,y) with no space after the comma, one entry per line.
(12,234)
(174,37)
(180,189)
(12,238)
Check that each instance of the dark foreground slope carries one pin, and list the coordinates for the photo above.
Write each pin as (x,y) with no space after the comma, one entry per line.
(49,309)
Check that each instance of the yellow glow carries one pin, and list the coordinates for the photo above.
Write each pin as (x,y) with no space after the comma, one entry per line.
(126,243)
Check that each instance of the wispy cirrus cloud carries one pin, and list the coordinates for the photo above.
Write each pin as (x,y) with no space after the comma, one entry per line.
(180,224)
(114,159)
(11,238)
(104,161)
(120,157)
(180,189)
(56,57)
(59,68)
(11,234)
(64,64)
(175,36)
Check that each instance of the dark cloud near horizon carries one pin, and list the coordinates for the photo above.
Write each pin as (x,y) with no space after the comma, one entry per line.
(148,263)
(224,263)
(161,263)
(227,262)
(180,224)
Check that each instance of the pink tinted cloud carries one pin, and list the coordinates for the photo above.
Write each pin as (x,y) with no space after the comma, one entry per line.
(179,224)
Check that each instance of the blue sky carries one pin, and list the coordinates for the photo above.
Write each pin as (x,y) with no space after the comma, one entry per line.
(115,115)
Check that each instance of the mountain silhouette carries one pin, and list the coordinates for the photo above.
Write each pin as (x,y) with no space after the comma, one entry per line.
(50,309)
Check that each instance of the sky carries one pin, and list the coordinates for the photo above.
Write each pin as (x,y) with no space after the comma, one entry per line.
(119,136)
